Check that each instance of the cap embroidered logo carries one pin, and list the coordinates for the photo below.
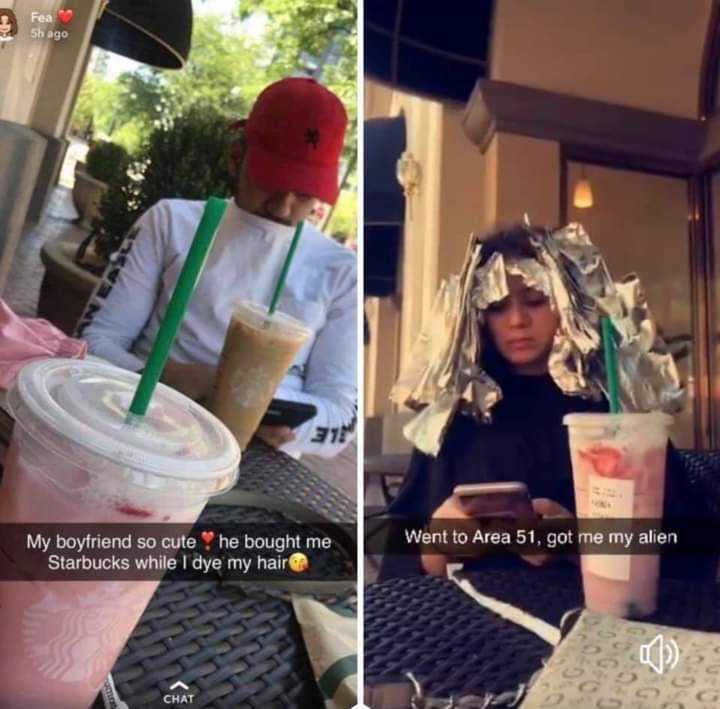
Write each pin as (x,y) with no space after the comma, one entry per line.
(313,137)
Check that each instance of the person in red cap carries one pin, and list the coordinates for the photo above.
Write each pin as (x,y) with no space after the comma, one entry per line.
(285,159)
(294,138)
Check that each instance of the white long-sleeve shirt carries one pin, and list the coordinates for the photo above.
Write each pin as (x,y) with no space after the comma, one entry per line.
(124,314)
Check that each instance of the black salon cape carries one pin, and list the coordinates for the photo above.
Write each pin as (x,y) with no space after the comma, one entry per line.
(526,442)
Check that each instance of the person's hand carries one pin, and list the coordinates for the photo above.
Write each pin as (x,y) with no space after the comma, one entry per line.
(434,557)
(275,436)
(547,509)
(193,380)
(452,508)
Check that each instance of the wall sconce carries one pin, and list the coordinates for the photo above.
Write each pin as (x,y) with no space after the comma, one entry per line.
(409,175)
(582,194)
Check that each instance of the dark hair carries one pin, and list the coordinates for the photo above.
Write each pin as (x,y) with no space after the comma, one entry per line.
(513,242)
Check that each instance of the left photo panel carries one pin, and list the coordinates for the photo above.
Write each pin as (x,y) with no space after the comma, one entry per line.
(178,354)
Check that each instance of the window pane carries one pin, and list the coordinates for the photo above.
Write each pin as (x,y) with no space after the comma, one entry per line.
(639,222)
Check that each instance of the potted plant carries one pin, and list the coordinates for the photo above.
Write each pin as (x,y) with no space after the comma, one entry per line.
(186,158)
(105,163)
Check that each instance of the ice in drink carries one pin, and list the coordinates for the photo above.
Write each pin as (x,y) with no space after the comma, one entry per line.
(618,463)
(73,459)
(257,354)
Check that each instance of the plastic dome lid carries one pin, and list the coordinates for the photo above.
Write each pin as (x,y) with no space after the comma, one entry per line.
(86,403)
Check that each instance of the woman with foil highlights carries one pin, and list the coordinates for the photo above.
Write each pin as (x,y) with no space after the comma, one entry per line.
(494,385)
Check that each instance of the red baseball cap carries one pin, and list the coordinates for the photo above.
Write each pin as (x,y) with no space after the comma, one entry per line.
(295,134)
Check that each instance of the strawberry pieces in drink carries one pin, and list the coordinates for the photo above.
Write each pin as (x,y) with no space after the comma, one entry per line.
(604,460)
(133,511)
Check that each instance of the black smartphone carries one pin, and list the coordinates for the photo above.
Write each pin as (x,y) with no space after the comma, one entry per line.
(287,413)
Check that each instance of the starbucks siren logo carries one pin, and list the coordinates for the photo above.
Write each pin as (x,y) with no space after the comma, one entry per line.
(67,635)
(251,387)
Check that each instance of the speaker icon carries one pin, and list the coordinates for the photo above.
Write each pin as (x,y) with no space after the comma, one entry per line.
(660,654)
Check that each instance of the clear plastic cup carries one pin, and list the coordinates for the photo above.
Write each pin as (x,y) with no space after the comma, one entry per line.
(73,458)
(257,354)
(618,463)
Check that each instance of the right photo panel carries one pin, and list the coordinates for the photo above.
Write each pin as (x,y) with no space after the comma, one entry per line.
(541,354)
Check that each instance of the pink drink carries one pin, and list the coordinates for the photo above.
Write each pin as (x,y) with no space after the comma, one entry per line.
(73,459)
(618,465)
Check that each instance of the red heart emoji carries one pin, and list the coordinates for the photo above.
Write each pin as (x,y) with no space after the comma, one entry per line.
(207,537)
(65,16)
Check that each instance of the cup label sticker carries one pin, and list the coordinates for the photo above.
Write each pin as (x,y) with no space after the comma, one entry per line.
(610,498)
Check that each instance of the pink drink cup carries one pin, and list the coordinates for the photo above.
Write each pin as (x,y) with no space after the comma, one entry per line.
(72,459)
(618,463)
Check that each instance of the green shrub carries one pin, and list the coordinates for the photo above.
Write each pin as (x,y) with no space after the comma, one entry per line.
(106,161)
(343,222)
(130,135)
(187,159)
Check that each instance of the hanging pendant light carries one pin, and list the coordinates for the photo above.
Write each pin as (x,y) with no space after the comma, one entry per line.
(156,33)
(582,194)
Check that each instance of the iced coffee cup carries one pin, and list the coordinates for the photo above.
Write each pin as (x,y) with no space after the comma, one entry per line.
(73,459)
(618,463)
(257,354)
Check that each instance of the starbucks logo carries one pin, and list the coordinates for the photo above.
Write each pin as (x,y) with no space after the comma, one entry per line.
(251,387)
(66,635)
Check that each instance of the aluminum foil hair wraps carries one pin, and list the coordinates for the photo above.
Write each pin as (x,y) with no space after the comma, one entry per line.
(446,372)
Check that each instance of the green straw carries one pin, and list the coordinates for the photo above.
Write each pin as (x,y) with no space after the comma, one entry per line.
(184,289)
(611,365)
(286,267)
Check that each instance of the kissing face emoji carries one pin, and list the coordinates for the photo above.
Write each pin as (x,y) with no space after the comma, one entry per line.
(298,562)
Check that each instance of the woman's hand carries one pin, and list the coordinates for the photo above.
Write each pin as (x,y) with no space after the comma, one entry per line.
(451,509)
(547,509)
(434,557)
(194,380)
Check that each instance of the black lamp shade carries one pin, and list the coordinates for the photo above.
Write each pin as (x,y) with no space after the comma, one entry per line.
(428,48)
(154,32)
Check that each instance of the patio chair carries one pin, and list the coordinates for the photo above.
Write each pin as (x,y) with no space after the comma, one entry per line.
(703,471)
(387,453)
(389,470)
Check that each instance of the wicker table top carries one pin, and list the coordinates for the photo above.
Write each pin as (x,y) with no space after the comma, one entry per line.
(454,646)
(235,645)
(233,649)
(266,471)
